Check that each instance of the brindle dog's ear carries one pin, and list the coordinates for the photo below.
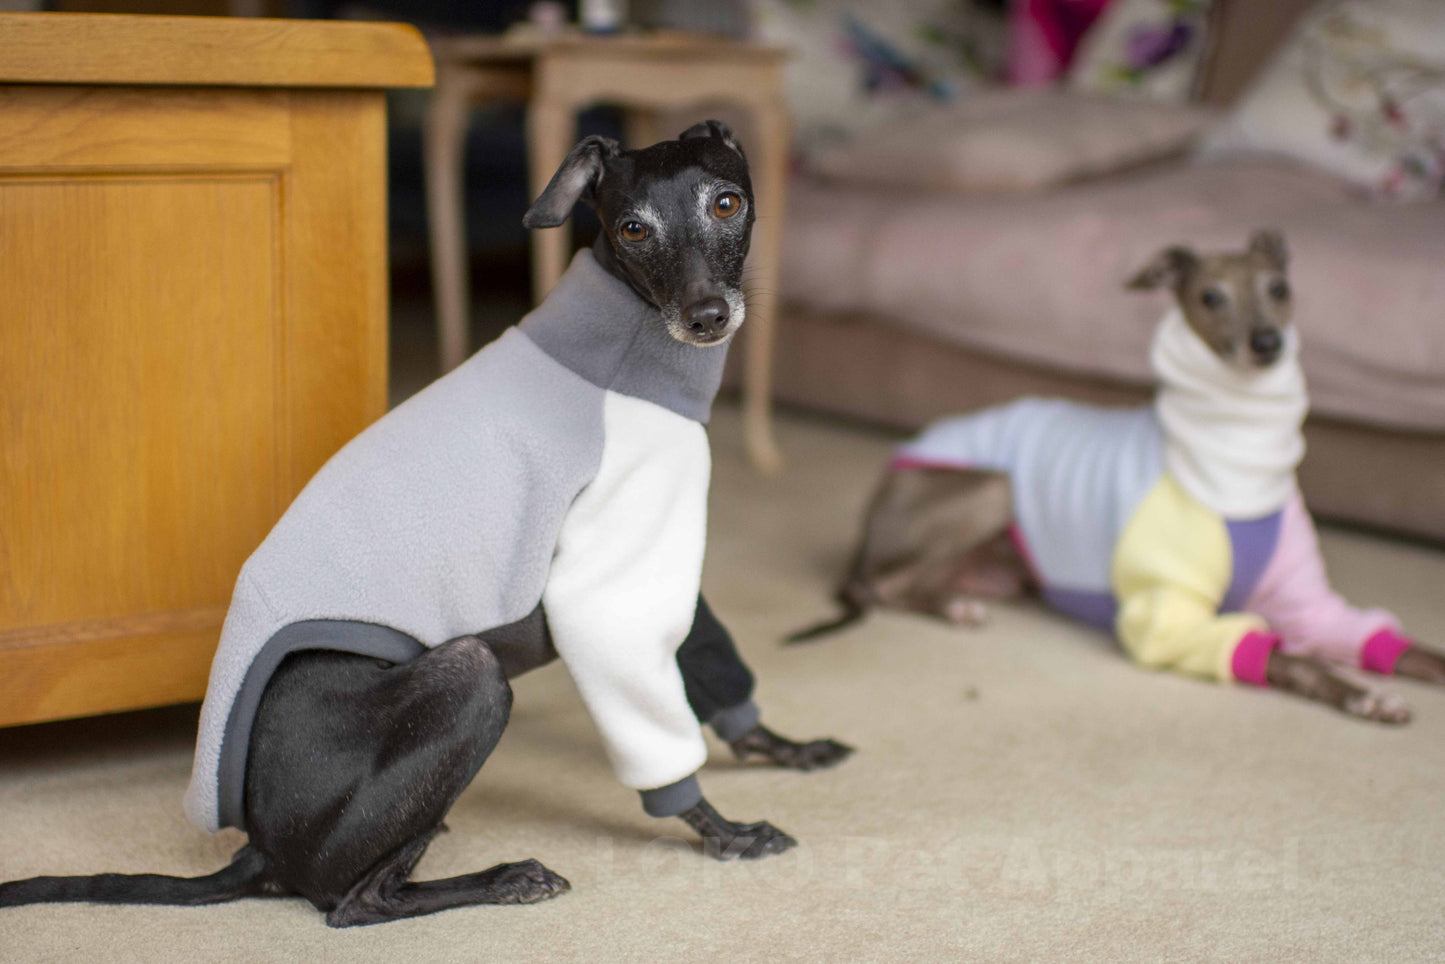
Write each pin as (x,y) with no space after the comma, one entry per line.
(1269,243)
(714,128)
(576,180)
(1168,269)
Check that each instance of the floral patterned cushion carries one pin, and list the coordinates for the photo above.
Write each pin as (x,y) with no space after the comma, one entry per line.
(1357,90)
(1147,49)
(857,63)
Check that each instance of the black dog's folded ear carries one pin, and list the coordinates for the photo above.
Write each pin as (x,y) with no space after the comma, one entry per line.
(713,128)
(576,180)
(1269,243)
(1168,269)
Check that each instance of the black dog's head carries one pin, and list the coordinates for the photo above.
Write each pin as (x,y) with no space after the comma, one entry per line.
(677,218)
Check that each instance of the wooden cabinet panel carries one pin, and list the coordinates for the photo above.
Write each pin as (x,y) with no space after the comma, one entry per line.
(192,319)
(138,375)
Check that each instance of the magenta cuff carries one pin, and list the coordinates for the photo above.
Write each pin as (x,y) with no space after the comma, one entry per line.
(1382,650)
(1251,657)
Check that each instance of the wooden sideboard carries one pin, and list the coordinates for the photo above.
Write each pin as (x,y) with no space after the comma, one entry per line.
(193,313)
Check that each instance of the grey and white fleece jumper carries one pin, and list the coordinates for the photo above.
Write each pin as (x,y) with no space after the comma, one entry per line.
(561,470)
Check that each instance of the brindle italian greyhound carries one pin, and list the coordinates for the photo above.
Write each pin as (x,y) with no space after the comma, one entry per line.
(940,538)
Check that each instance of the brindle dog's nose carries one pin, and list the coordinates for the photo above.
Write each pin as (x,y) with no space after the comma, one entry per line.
(706,317)
(1265,342)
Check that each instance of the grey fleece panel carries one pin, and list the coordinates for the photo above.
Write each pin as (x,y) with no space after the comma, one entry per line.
(594,324)
(733,722)
(672,799)
(364,639)
(438,521)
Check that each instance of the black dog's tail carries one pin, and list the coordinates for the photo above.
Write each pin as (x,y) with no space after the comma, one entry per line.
(853,611)
(245,876)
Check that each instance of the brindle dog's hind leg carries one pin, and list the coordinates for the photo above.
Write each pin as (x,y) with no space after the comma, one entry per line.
(353,764)
(936,540)
(930,541)
(955,587)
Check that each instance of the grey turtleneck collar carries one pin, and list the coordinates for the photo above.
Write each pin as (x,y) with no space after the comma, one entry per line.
(597,326)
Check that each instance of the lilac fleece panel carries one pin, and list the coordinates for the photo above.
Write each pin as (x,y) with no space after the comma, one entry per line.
(1252,543)
(1294,595)
(1095,608)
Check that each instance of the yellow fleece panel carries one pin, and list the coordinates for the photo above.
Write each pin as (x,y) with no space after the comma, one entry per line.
(1171,569)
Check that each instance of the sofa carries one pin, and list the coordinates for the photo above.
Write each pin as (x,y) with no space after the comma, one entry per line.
(904,304)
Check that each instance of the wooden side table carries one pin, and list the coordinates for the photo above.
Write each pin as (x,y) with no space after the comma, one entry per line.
(193,317)
(556,76)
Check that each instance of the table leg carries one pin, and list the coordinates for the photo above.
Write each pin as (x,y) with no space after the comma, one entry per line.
(770,179)
(445,136)
(551,128)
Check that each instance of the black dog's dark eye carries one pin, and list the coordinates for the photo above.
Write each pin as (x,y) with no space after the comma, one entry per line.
(1279,289)
(634,231)
(727,204)
(1211,299)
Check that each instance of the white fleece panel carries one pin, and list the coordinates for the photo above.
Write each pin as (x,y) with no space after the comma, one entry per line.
(1233,437)
(623,589)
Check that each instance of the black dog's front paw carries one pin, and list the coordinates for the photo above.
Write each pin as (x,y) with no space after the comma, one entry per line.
(749,841)
(813,755)
(724,840)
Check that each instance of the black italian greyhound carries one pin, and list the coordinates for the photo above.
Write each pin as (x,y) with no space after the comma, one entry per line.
(354,754)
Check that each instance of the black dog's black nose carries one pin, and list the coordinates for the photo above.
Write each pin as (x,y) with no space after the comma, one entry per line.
(706,317)
(1265,341)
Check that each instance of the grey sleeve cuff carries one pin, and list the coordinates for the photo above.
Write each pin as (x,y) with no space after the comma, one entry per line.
(673,799)
(733,722)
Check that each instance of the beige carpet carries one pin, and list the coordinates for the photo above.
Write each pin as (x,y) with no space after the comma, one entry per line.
(1020,793)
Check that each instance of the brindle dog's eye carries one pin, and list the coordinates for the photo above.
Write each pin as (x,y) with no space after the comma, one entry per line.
(634,231)
(727,204)
(1211,299)
(1279,289)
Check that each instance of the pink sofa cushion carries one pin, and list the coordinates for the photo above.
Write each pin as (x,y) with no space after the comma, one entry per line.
(1039,277)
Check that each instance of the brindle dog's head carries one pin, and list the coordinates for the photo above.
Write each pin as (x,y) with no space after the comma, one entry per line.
(677,219)
(1238,303)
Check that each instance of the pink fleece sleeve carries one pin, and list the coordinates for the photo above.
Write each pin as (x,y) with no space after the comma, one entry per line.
(1294,594)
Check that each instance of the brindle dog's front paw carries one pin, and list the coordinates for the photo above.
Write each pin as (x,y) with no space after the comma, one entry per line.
(724,840)
(526,882)
(813,755)
(1377,705)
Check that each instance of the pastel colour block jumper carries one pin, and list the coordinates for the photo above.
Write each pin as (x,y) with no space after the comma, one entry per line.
(551,491)
(1178,526)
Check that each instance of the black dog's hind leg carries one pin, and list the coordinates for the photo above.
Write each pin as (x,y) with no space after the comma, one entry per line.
(720,688)
(353,764)
(386,894)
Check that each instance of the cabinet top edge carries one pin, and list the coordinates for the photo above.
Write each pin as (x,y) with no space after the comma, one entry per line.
(79,48)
